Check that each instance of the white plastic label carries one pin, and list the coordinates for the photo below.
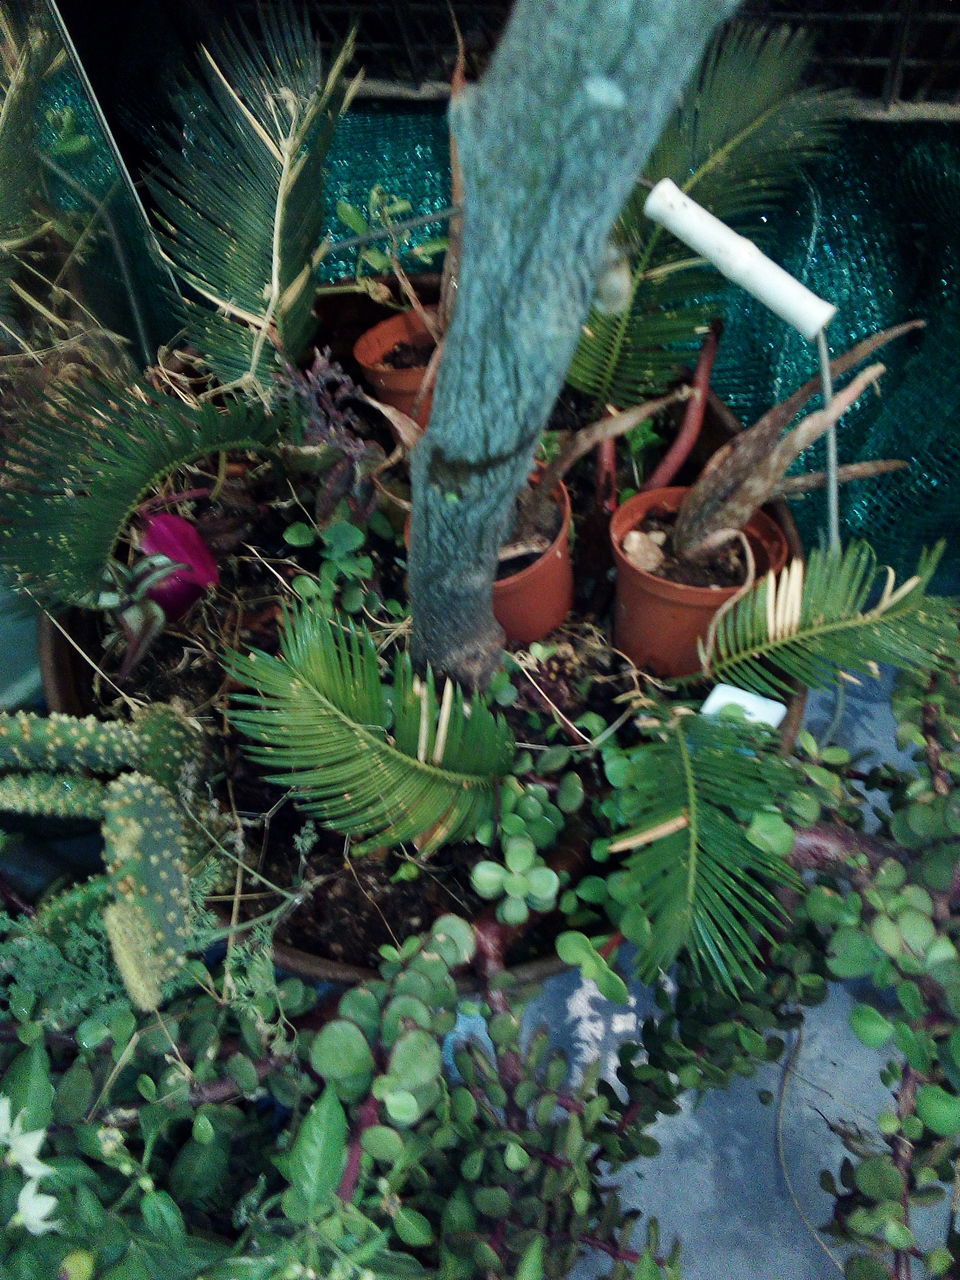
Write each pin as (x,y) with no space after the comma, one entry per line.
(756,709)
(738,259)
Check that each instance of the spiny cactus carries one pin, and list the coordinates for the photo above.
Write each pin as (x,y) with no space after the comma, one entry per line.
(148,848)
(146,855)
(160,742)
(51,795)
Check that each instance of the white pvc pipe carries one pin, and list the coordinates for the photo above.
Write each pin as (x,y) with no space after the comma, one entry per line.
(738,259)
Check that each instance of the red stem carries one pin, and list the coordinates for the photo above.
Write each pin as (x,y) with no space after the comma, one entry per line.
(689,431)
(367,1116)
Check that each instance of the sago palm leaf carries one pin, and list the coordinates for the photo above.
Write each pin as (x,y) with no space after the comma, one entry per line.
(241,190)
(816,623)
(384,764)
(735,144)
(83,462)
(690,866)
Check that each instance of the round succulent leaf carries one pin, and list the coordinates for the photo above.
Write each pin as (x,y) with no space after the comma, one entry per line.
(415,1060)
(769,832)
(464,1105)
(402,1010)
(886,934)
(340,1051)
(493,1202)
(543,882)
(870,1026)
(529,807)
(519,853)
(552,759)
(299,534)
(513,911)
(891,874)
(342,538)
(939,1110)
(917,929)
(570,793)
(455,939)
(878,1178)
(851,954)
(471,1166)
(361,1006)
(487,878)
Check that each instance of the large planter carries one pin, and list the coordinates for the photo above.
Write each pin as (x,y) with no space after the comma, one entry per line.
(657,622)
(397,387)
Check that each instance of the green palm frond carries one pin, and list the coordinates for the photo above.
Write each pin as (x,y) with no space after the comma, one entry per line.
(735,144)
(240,191)
(816,622)
(83,462)
(388,765)
(690,865)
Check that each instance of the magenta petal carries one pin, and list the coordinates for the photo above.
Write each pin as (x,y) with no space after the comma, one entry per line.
(177,538)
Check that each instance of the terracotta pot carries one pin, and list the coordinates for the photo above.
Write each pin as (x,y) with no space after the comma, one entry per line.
(397,387)
(532,603)
(657,622)
(535,601)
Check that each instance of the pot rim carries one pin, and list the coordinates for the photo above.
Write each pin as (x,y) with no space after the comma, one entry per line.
(522,576)
(627,517)
(393,330)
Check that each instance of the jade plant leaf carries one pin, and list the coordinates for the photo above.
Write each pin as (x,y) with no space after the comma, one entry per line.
(386,765)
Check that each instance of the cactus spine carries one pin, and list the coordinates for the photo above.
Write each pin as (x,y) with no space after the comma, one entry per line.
(144,895)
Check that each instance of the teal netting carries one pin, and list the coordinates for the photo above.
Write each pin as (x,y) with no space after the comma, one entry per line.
(874,230)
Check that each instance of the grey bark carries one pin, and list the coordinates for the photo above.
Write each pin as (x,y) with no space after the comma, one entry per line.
(550,142)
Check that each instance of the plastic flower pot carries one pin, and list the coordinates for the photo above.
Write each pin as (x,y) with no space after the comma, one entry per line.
(657,622)
(535,601)
(532,603)
(397,387)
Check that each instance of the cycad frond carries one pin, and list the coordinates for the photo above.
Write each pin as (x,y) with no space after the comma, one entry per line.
(83,462)
(816,623)
(690,867)
(384,764)
(241,188)
(735,144)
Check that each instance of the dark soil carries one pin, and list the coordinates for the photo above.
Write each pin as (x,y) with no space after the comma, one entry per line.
(409,355)
(726,568)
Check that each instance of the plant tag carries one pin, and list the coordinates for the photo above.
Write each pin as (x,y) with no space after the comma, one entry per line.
(758,710)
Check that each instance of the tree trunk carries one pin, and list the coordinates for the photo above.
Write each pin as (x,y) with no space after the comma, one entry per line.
(550,143)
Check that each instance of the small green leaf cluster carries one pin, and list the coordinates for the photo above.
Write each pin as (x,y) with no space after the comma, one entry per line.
(344,569)
(523,882)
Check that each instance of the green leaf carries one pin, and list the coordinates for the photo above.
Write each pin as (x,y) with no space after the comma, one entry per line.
(877,1178)
(26,1082)
(487,878)
(240,190)
(769,832)
(341,539)
(383,1143)
(576,949)
(79,468)
(939,1110)
(314,1164)
(869,1026)
(365,762)
(299,534)
(415,1060)
(851,954)
(340,1051)
(413,1228)
(838,627)
(531,1264)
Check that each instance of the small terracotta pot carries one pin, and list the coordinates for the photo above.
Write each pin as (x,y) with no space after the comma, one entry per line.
(532,603)
(397,387)
(657,622)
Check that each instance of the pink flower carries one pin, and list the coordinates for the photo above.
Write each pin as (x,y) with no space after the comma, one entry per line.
(178,539)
